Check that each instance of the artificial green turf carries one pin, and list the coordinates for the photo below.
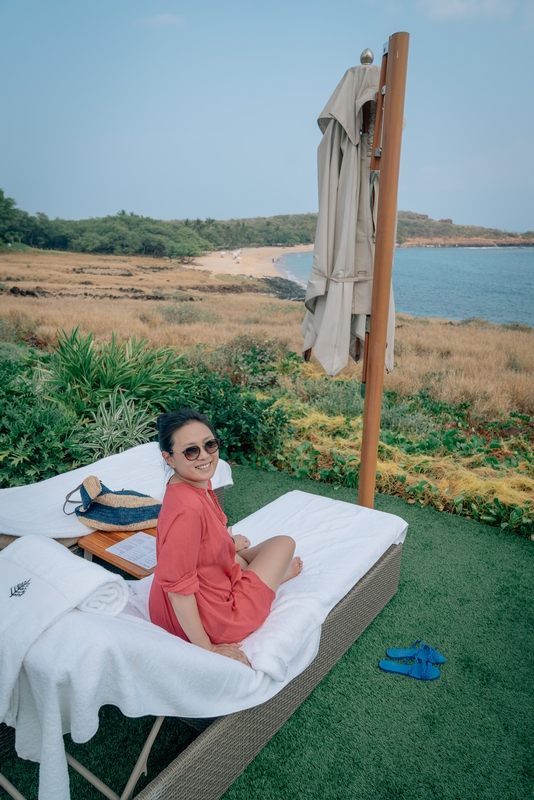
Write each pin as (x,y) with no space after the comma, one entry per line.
(465,588)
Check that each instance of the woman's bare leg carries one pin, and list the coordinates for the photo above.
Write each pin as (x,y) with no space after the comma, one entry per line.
(273,561)
(243,563)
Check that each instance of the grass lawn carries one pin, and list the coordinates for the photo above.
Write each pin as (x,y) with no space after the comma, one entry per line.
(466,589)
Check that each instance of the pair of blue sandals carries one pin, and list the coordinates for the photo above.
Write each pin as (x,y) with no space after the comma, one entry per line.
(422,658)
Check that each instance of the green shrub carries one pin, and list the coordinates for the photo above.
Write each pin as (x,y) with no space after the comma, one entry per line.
(253,361)
(249,427)
(400,414)
(82,373)
(37,439)
(338,398)
(8,332)
(517,326)
(12,352)
(118,425)
(186,313)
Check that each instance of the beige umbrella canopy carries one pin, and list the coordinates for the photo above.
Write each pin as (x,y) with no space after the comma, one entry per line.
(338,296)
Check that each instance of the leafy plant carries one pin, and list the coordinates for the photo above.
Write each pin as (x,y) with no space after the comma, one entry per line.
(82,373)
(249,427)
(117,426)
(344,470)
(37,439)
(8,332)
(302,460)
(12,352)
(253,361)
(335,397)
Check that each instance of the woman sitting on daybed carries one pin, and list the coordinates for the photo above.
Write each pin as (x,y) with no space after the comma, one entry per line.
(209,588)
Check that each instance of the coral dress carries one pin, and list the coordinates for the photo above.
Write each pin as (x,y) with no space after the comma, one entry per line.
(196,555)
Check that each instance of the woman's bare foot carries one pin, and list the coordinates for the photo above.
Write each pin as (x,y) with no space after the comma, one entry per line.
(294,569)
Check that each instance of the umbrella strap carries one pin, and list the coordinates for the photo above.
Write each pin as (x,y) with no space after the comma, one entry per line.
(356,279)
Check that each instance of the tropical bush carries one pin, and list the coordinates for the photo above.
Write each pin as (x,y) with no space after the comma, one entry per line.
(82,373)
(117,425)
(252,361)
(250,428)
(37,439)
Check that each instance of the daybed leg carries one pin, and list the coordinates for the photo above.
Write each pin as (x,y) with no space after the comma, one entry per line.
(87,555)
(88,775)
(10,789)
(141,765)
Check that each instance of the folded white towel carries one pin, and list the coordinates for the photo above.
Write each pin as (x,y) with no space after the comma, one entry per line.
(40,580)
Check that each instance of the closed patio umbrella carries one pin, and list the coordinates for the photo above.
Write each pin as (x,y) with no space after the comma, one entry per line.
(338,295)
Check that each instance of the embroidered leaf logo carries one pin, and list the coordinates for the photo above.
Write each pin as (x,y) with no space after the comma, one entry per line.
(20,588)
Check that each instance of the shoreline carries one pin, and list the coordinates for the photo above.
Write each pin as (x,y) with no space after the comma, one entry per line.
(255,262)
(262,262)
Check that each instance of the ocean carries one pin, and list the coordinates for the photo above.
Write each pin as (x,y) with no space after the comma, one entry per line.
(494,283)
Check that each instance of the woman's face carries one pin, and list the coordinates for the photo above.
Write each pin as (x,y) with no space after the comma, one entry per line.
(199,471)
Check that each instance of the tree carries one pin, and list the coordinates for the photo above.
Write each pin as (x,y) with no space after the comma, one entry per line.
(8,216)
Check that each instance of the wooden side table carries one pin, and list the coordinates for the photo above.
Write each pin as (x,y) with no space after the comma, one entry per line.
(96,544)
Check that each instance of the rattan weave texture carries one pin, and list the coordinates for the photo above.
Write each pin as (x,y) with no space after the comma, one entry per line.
(219,755)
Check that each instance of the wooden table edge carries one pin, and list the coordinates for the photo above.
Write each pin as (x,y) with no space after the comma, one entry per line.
(97,542)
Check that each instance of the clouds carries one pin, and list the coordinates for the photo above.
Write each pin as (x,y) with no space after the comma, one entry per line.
(161,21)
(467,9)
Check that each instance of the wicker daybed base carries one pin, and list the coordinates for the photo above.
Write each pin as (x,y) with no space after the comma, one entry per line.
(220,754)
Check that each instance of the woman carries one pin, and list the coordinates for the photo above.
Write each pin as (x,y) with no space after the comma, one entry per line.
(208,588)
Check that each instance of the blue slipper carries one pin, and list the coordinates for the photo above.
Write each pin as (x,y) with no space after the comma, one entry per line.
(421,670)
(418,650)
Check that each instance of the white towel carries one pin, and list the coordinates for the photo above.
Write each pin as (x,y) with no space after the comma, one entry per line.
(40,581)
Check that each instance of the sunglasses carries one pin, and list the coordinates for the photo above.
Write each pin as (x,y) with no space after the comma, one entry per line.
(193,452)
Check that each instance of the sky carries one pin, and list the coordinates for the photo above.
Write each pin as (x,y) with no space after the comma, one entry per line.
(207,108)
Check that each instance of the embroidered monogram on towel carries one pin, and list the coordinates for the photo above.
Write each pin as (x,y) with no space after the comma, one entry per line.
(19,589)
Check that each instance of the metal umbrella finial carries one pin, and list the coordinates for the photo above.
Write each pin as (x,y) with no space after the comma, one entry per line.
(367,57)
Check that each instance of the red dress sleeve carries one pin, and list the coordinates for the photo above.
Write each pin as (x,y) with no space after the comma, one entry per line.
(178,551)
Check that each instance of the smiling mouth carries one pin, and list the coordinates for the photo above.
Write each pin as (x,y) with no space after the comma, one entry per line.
(204,466)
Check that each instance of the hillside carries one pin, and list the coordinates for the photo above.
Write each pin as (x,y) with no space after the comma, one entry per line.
(416,230)
(132,234)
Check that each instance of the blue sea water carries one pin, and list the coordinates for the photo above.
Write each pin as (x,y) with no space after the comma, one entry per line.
(495,283)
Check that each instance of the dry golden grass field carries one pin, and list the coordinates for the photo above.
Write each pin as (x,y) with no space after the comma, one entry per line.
(488,365)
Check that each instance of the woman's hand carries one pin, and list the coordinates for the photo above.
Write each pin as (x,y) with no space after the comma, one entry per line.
(241,542)
(231,651)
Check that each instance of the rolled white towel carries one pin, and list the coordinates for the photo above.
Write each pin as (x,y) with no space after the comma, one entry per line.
(40,581)
(84,585)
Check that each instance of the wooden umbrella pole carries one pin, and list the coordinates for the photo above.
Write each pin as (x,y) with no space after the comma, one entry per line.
(386,226)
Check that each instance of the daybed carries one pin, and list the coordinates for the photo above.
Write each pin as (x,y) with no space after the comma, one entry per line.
(38,508)
(352,560)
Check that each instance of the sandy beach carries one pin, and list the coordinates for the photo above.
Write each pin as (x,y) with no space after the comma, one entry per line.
(258,262)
